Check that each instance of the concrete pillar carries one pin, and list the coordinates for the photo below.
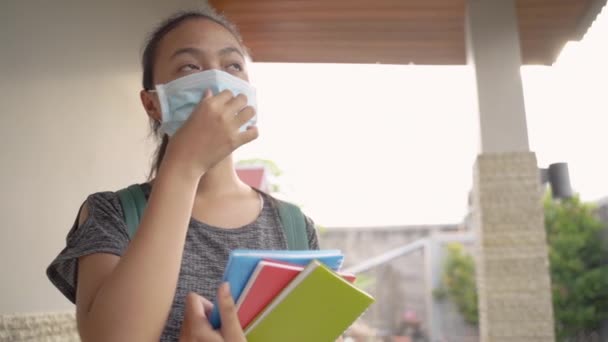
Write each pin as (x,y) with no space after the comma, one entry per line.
(493,49)
(512,263)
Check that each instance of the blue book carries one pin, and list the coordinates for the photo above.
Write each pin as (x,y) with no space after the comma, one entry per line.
(242,263)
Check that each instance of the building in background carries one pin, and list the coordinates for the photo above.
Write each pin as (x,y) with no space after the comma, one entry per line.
(256,176)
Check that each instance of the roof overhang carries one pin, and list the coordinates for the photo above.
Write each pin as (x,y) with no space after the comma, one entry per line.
(429,32)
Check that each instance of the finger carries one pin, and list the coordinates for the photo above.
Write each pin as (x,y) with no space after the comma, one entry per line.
(203,335)
(195,326)
(208,334)
(194,307)
(244,116)
(248,135)
(207,94)
(224,96)
(236,104)
(209,100)
(207,305)
(194,313)
(231,327)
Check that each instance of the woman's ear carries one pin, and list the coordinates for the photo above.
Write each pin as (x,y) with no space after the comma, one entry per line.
(151,105)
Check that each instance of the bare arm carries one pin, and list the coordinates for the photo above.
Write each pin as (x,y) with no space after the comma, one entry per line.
(129,298)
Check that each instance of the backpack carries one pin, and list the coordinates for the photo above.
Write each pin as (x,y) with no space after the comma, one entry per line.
(133,202)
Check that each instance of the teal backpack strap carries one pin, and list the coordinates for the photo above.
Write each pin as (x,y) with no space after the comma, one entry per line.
(133,202)
(294,224)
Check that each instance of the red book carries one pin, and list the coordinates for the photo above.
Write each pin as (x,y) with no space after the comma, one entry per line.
(267,281)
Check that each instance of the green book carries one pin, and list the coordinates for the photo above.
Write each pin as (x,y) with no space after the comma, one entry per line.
(318,305)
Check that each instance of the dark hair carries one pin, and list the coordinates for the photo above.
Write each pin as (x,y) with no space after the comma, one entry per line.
(148,60)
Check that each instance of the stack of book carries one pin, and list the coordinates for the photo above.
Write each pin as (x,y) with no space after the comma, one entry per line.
(292,295)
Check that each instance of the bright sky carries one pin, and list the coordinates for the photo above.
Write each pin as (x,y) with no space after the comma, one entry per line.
(365,145)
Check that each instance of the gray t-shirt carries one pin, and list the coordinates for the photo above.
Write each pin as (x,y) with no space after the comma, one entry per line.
(205,253)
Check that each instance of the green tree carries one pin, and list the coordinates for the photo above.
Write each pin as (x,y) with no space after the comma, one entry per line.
(458,282)
(579,279)
(579,274)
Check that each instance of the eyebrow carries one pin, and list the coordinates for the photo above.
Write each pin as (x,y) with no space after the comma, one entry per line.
(187,51)
(198,52)
(229,50)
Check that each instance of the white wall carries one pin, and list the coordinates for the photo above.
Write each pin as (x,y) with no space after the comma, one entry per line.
(70,124)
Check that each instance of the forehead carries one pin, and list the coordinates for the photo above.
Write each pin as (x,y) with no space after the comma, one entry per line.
(197,32)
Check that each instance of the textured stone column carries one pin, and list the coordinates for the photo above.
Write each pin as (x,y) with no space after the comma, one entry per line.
(512,267)
(42,327)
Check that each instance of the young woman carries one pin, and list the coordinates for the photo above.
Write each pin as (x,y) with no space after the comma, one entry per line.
(154,286)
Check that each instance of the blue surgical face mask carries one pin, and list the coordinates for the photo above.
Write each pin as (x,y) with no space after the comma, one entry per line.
(179,97)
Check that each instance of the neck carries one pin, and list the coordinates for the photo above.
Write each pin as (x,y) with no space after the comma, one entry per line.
(221,180)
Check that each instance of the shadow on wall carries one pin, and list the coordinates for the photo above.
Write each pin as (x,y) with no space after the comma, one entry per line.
(71,124)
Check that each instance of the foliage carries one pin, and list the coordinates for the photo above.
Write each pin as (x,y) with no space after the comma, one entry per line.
(579,274)
(458,282)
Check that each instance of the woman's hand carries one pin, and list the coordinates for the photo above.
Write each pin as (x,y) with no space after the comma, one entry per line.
(212,132)
(196,327)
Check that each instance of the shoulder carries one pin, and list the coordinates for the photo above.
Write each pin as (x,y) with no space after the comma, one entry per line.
(104,199)
(103,205)
(99,228)
(101,213)
(108,203)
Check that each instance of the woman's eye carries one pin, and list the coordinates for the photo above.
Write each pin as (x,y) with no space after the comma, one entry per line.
(190,67)
(234,67)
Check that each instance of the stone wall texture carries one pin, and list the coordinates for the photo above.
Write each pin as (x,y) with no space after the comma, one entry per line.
(512,267)
(39,327)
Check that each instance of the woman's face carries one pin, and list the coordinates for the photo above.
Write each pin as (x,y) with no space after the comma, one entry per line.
(193,46)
